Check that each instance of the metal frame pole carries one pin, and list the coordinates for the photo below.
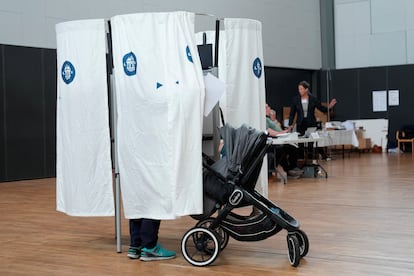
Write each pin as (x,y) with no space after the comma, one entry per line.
(117,176)
(113,121)
(216,114)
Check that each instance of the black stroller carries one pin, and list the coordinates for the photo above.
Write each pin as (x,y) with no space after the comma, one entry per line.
(229,183)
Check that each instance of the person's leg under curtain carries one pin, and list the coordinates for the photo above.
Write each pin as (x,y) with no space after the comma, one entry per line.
(135,245)
(149,232)
(151,250)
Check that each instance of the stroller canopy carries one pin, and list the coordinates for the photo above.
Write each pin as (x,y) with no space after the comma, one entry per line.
(244,152)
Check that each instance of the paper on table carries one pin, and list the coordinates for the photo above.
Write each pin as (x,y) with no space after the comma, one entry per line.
(214,90)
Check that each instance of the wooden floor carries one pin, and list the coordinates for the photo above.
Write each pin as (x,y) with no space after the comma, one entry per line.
(360,221)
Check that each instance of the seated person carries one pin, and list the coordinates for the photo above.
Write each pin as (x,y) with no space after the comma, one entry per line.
(274,118)
(286,154)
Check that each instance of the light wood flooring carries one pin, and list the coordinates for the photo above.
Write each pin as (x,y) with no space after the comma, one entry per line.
(360,221)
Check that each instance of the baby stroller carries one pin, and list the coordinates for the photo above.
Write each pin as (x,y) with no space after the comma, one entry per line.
(229,183)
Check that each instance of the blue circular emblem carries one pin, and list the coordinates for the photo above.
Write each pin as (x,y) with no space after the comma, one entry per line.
(129,62)
(188,52)
(68,72)
(257,67)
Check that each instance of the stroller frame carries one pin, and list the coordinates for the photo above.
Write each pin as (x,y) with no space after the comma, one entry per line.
(202,244)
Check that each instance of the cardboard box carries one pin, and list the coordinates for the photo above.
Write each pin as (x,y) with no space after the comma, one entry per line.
(364,143)
(360,133)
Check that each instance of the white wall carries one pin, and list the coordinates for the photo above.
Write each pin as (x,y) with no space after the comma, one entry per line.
(291,28)
(374,33)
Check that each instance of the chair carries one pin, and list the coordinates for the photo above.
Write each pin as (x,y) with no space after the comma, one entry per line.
(402,138)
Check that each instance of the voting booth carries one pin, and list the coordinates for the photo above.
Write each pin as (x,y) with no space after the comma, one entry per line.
(144,71)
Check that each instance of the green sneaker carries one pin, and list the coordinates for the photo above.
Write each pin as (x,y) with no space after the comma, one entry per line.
(156,253)
(134,252)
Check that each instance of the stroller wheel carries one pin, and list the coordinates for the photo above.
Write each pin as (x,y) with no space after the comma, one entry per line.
(200,246)
(293,250)
(303,242)
(224,236)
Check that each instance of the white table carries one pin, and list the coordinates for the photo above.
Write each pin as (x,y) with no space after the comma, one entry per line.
(297,140)
(338,137)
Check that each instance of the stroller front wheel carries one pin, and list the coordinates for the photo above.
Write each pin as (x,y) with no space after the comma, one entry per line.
(293,250)
(200,246)
(303,242)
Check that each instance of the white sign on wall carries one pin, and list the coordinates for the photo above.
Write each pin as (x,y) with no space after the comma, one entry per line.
(379,101)
(393,97)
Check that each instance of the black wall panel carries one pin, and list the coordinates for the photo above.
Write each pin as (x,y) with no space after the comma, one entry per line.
(24,108)
(2,120)
(50,88)
(282,85)
(343,86)
(371,79)
(400,78)
(28,93)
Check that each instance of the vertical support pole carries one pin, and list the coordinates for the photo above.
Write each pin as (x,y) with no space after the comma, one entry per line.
(216,111)
(216,45)
(117,177)
(113,122)
(328,84)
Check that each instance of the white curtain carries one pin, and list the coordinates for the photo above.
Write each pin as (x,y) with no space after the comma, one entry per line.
(160,99)
(245,98)
(83,161)
(240,66)
(244,73)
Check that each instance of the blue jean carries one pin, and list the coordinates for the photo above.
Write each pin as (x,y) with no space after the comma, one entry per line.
(144,232)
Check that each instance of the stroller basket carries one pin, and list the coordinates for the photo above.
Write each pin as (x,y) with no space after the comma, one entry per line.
(251,228)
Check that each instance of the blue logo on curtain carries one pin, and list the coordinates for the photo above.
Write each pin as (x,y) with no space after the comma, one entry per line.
(68,72)
(188,52)
(129,62)
(257,67)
